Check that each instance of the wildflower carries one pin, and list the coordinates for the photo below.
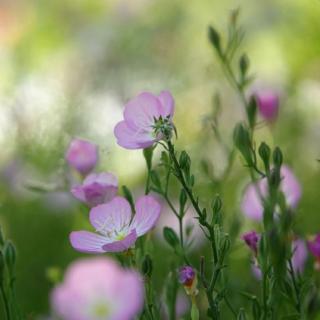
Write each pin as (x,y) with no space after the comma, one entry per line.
(251,238)
(252,203)
(116,229)
(96,188)
(188,277)
(314,247)
(82,155)
(147,119)
(268,104)
(98,289)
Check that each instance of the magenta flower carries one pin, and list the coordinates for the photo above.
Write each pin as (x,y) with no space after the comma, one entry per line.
(251,238)
(147,119)
(97,288)
(314,248)
(268,104)
(252,205)
(96,188)
(116,229)
(82,155)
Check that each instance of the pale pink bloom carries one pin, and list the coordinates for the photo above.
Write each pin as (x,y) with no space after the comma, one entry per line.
(82,155)
(98,289)
(300,254)
(252,204)
(147,119)
(116,229)
(268,104)
(96,188)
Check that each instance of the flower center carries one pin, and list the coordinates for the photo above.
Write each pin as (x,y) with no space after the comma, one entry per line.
(100,311)
(162,128)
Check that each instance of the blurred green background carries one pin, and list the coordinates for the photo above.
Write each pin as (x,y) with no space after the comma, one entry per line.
(67,68)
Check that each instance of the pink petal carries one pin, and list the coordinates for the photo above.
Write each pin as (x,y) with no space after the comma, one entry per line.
(147,214)
(290,186)
(133,138)
(251,204)
(87,242)
(140,112)
(111,216)
(122,245)
(167,104)
(77,192)
(104,178)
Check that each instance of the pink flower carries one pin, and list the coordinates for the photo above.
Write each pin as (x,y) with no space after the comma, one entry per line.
(116,229)
(252,205)
(299,255)
(268,104)
(82,155)
(95,289)
(147,119)
(251,238)
(96,188)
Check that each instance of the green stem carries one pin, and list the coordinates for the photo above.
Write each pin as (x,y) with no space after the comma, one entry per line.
(5,303)
(295,285)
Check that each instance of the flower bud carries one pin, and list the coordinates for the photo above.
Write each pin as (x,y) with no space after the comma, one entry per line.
(277,157)
(265,152)
(188,277)
(82,155)
(147,266)
(170,236)
(9,255)
(251,239)
(268,104)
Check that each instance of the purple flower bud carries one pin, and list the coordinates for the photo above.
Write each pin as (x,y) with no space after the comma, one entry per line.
(251,238)
(314,247)
(186,275)
(82,155)
(268,104)
(96,189)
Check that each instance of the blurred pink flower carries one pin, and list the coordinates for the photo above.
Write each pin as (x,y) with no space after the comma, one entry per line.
(298,259)
(116,229)
(252,205)
(268,104)
(300,254)
(191,228)
(97,288)
(97,188)
(82,155)
(147,119)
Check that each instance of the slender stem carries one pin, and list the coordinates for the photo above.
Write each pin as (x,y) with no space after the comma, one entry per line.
(295,285)
(5,302)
